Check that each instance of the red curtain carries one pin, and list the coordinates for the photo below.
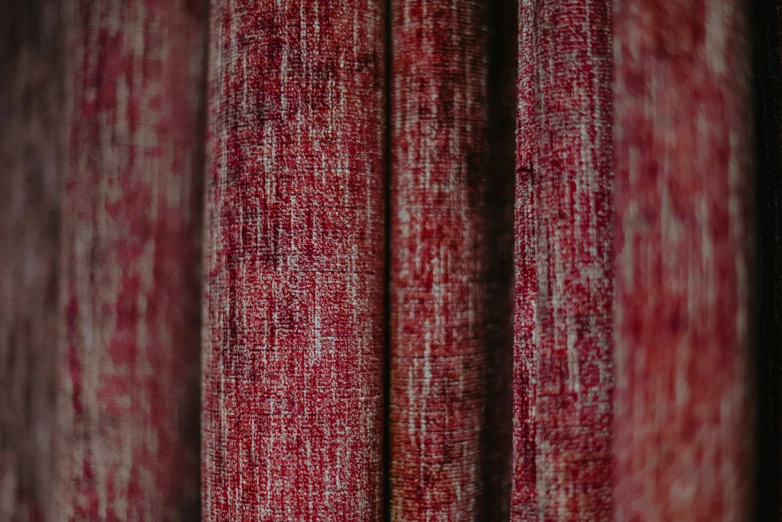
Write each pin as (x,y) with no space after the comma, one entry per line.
(563,344)
(408,260)
(293,342)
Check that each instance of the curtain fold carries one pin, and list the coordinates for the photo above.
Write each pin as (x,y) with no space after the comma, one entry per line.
(127,362)
(563,377)
(683,240)
(326,260)
(446,332)
(293,347)
(563,350)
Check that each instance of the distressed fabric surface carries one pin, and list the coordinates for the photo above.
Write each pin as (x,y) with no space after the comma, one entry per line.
(444,212)
(436,260)
(292,361)
(128,368)
(30,174)
(563,367)
(683,425)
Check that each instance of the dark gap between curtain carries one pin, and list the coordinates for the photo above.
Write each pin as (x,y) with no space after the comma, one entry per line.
(387,274)
(496,438)
(768,189)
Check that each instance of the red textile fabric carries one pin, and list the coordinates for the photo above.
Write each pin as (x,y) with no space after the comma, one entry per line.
(441,337)
(327,260)
(563,367)
(682,101)
(127,396)
(293,350)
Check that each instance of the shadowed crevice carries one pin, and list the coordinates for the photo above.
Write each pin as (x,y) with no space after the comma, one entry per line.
(387,272)
(767,191)
(496,437)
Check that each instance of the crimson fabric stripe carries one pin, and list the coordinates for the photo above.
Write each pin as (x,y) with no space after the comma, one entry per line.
(30,174)
(292,361)
(442,324)
(128,363)
(683,146)
(563,371)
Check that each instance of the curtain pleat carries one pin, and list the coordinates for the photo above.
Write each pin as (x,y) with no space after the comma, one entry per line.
(128,361)
(563,349)
(682,311)
(450,266)
(406,260)
(442,338)
(293,349)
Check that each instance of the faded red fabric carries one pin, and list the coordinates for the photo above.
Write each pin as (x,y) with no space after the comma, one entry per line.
(127,397)
(443,337)
(563,366)
(293,351)
(382,335)
(683,138)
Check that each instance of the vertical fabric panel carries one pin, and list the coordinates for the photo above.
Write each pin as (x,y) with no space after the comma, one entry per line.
(292,361)
(30,174)
(683,424)
(446,308)
(563,368)
(128,392)
(438,272)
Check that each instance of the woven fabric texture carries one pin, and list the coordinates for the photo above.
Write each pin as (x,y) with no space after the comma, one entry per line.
(563,349)
(127,397)
(442,337)
(390,260)
(293,350)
